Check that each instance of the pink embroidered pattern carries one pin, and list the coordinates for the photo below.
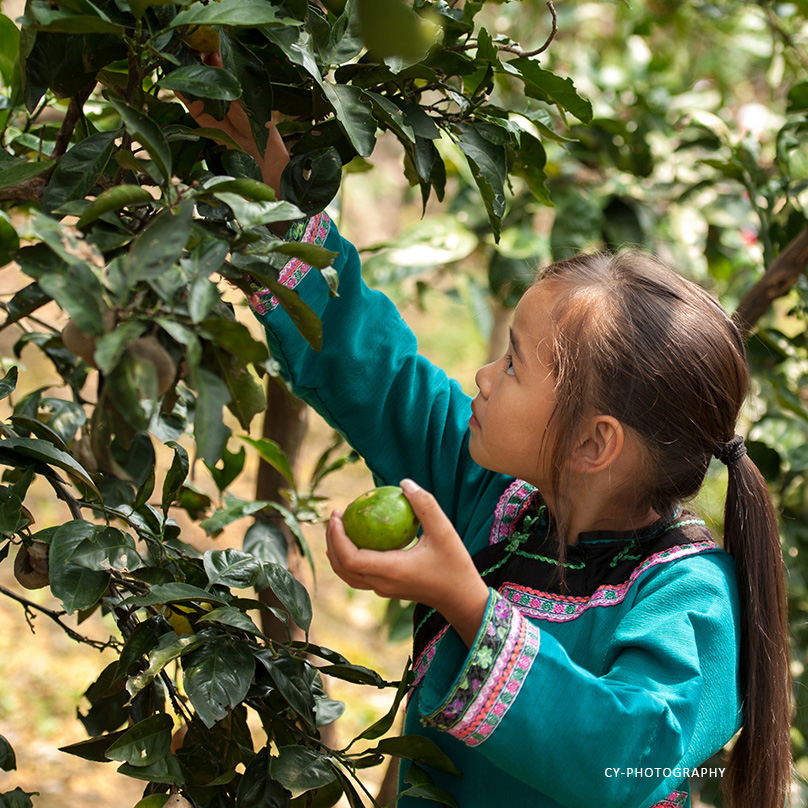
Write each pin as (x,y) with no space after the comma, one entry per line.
(561,608)
(676,799)
(499,690)
(508,508)
(295,269)
(424,660)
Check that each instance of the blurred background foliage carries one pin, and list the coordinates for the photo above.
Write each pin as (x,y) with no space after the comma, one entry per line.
(684,132)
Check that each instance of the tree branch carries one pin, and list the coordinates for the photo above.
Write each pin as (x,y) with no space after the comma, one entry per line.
(776,281)
(553,32)
(29,606)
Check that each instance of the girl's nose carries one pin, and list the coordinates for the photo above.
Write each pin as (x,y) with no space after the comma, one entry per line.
(483,379)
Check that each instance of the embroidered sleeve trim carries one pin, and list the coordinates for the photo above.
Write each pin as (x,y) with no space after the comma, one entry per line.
(508,509)
(561,608)
(676,799)
(497,666)
(309,231)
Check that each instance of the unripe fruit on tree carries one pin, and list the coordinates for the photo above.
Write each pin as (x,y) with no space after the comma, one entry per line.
(381,519)
(150,350)
(79,343)
(31,565)
(202,39)
(82,450)
(177,801)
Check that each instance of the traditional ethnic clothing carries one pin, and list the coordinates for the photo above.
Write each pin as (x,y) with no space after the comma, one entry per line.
(607,691)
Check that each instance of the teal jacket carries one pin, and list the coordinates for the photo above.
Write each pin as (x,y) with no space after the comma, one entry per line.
(610,691)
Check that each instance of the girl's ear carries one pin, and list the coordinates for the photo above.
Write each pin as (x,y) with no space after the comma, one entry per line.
(599,445)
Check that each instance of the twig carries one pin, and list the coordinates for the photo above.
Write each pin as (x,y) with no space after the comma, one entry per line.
(519,52)
(29,605)
(63,494)
(776,281)
(788,40)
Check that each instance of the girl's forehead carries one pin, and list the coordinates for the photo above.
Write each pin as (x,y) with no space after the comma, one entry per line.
(533,321)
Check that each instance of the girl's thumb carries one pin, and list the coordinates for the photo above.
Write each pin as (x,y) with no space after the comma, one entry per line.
(424,504)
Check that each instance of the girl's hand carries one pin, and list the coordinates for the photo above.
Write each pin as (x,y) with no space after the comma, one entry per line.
(437,571)
(236,124)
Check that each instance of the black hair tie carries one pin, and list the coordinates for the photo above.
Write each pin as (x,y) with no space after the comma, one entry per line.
(731,451)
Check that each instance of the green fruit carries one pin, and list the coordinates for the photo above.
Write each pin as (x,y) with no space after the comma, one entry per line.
(381,519)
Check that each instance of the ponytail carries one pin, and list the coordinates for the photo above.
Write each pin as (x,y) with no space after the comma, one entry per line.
(760,761)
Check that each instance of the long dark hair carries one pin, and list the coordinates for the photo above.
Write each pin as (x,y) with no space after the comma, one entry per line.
(633,339)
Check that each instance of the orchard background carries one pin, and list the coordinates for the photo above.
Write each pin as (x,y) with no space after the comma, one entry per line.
(480,142)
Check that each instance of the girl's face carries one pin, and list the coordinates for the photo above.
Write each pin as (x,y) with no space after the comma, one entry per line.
(517,396)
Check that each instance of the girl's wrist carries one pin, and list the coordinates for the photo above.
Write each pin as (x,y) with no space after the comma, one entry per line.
(465,613)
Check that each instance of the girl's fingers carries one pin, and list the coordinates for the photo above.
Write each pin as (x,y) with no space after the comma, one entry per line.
(432,518)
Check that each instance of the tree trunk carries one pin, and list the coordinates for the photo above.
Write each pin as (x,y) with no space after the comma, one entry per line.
(776,281)
(285,422)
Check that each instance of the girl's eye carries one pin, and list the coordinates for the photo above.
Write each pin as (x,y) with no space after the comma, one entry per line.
(508,362)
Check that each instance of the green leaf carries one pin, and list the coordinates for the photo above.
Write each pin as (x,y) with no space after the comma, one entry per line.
(418,748)
(145,743)
(176,592)
(9,243)
(23,171)
(388,113)
(167,771)
(114,199)
(307,322)
(17,798)
(93,748)
(257,789)
(8,760)
(549,87)
(291,593)
(111,347)
(217,677)
(132,389)
(46,452)
(107,549)
(169,648)
(353,112)
(9,51)
(159,245)
(233,618)
(175,476)
(312,180)
(235,338)
(79,169)
(489,167)
(272,453)
(300,769)
(313,254)
(250,189)
(146,132)
(235,13)
(203,81)
(65,21)
(424,788)
(532,159)
(252,76)
(289,675)
(231,568)
(76,586)
(210,431)
(9,382)
(380,727)
(253,214)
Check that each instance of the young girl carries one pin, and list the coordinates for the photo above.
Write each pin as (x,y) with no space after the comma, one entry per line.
(580,638)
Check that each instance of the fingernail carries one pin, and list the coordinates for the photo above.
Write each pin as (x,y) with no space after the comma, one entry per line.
(336,513)
(410,486)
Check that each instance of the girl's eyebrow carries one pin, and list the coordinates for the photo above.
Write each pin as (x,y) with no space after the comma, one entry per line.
(515,344)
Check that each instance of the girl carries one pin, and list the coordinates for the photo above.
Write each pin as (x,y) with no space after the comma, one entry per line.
(580,639)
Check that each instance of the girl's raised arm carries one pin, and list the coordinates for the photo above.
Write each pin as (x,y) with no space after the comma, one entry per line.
(403,414)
